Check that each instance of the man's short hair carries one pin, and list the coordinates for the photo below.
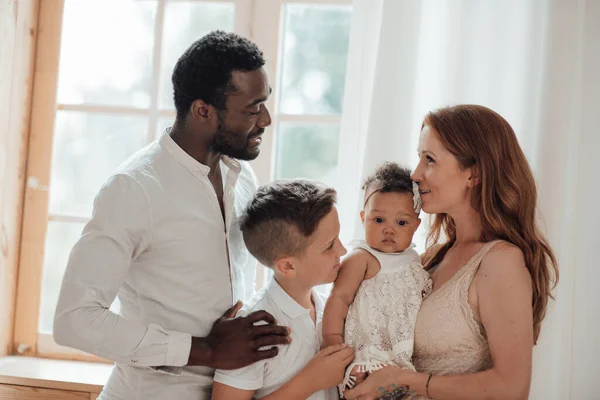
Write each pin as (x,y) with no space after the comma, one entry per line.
(389,177)
(282,216)
(204,70)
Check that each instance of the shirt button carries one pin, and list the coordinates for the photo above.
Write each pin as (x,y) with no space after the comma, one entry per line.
(93,292)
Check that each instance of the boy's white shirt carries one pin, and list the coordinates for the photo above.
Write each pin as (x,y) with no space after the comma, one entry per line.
(265,377)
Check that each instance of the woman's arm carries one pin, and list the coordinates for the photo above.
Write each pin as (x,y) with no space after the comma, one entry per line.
(352,272)
(504,292)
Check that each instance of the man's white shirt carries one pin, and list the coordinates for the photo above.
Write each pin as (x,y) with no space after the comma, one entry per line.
(265,377)
(158,239)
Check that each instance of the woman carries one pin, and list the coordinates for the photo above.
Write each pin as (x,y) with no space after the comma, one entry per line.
(492,276)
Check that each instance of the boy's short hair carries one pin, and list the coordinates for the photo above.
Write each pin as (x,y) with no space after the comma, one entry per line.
(388,177)
(282,216)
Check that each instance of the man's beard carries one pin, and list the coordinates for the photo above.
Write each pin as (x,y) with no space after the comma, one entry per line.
(232,144)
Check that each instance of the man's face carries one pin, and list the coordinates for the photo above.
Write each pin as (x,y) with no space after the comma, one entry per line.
(242,123)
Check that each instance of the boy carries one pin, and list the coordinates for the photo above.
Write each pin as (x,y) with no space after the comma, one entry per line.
(291,227)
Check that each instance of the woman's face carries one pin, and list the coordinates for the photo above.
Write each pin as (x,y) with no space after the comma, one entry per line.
(443,184)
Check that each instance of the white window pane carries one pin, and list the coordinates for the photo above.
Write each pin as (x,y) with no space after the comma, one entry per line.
(60,239)
(162,124)
(87,148)
(186,22)
(315,49)
(106,52)
(307,151)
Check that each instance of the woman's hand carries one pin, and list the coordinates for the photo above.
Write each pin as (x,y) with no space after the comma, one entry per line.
(386,383)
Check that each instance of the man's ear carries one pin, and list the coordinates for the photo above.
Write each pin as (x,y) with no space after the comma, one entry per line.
(286,266)
(203,112)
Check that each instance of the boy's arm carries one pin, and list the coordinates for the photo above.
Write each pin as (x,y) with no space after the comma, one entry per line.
(224,392)
(325,370)
(352,273)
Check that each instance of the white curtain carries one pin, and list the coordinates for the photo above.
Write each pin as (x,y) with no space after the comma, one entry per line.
(537,63)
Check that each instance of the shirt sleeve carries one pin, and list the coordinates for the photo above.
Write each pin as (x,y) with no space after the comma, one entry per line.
(247,378)
(119,231)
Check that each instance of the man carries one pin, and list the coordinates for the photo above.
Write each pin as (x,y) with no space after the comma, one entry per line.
(165,237)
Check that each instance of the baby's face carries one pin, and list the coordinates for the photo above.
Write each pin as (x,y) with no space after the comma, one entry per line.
(390,221)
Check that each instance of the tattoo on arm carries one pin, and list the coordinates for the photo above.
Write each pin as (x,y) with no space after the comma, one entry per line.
(392,392)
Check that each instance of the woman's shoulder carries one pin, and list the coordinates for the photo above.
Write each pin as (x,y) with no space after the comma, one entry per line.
(504,261)
(502,250)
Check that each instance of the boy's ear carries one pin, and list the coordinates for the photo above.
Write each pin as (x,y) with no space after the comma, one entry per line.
(418,223)
(362,216)
(286,267)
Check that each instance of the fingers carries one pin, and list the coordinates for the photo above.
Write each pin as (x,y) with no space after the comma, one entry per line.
(267,330)
(265,354)
(232,311)
(333,349)
(348,356)
(270,341)
(261,315)
(353,394)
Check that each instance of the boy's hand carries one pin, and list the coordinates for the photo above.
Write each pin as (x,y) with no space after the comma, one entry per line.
(327,367)
(234,343)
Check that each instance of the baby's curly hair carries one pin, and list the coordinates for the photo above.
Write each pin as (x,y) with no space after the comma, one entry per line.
(204,70)
(389,177)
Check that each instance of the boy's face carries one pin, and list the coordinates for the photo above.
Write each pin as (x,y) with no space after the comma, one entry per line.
(390,221)
(320,262)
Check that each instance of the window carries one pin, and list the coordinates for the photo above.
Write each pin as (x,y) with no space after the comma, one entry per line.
(109,64)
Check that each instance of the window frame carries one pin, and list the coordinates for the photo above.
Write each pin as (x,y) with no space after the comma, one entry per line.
(249,21)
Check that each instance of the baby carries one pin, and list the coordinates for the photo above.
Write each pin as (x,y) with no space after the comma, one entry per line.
(381,283)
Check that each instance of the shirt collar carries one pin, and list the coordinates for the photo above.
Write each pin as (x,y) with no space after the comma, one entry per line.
(288,305)
(188,161)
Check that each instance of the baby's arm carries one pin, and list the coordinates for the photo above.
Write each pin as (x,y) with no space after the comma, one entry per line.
(352,273)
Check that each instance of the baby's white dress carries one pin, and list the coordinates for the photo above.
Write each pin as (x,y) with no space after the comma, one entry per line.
(381,320)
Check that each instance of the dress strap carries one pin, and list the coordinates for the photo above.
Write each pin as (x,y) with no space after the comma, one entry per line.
(463,286)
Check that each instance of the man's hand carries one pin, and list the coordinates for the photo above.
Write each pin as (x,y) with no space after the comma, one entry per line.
(235,343)
(327,367)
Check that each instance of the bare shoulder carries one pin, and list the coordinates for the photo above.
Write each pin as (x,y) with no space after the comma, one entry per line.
(504,263)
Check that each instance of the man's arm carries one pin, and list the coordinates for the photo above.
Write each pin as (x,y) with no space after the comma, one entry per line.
(352,272)
(119,231)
